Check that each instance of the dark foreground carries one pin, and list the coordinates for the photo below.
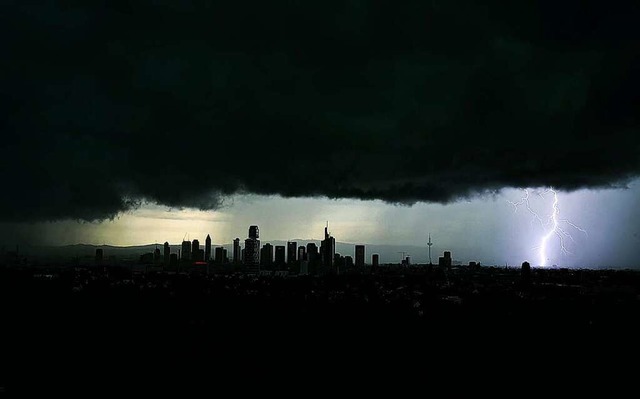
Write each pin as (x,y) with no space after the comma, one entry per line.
(104,329)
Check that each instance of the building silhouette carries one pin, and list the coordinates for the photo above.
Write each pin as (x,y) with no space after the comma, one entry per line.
(279,253)
(254,232)
(266,256)
(156,255)
(360,254)
(167,254)
(375,260)
(236,251)
(445,261)
(252,251)
(302,253)
(195,248)
(219,256)
(328,249)
(292,249)
(312,252)
(99,255)
(207,248)
(525,273)
(186,250)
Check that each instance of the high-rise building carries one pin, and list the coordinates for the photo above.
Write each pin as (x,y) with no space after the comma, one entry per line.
(266,255)
(167,254)
(219,256)
(360,255)
(237,256)
(254,232)
(173,261)
(445,261)
(302,253)
(252,251)
(195,247)
(328,249)
(292,248)
(207,248)
(280,261)
(375,260)
(525,273)
(312,252)
(186,250)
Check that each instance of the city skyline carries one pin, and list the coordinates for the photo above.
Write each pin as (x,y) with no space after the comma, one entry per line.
(390,120)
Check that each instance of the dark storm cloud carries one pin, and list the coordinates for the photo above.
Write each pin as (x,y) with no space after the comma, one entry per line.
(184,102)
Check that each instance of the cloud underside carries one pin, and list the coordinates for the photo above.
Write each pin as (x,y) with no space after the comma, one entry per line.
(106,106)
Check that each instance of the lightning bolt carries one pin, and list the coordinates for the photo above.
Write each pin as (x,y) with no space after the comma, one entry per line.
(552,224)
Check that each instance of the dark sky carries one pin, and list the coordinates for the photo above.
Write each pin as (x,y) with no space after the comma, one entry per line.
(183,103)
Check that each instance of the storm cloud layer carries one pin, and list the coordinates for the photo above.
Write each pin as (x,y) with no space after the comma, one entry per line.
(182,103)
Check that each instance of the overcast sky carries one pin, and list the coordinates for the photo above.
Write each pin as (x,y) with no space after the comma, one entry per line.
(150,119)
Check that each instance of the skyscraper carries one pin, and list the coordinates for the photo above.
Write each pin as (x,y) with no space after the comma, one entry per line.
(328,249)
(266,255)
(312,252)
(360,255)
(237,256)
(186,250)
(375,260)
(279,261)
(195,248)
(252,251)
(302,253)
(219,257)
(292,248)
(167,254)
(207,248)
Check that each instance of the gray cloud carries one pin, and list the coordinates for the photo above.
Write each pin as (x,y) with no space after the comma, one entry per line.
(182,104)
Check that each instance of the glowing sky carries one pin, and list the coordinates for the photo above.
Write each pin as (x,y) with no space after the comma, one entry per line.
(485,229)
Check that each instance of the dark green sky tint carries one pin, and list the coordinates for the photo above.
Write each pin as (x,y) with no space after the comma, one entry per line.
(184,102)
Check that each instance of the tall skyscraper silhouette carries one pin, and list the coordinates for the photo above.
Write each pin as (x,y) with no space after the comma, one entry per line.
(292,249)
(195,247)
(167,254)
(237,256)
(280,254)
(207,248)
(186,250)
(360,254)
(266,255)
(328,249)
(312,252)
(252,251)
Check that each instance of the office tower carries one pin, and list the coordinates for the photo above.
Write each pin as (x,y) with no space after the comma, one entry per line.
(328,249)
(207,248)
(445,261)
(236,251)
(195,247)
(173,261)
(186,250)
(292,248)
(254,232)
(167,254)
(279,261)
(375,260)
(360,255)
(266,255)
(312,252)
(219,257)
(302,253)
(252,251)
